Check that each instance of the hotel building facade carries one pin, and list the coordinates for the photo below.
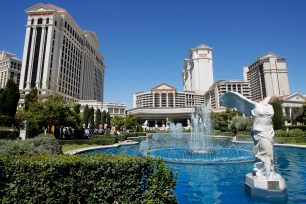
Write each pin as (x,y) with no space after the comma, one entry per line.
(60,57)
(212,96)
(268,76)
(198,70)
(164,104)
(10,67)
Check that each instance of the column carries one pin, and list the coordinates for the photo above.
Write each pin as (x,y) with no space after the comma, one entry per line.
(174,100)
(167,100)
(160,100)
(25,51)
(47,57)
(41,56)
(30,69)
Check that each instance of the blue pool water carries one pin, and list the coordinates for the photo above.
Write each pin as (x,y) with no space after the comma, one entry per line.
(224,183)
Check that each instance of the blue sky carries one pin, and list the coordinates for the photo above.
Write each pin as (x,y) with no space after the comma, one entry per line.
(145,42)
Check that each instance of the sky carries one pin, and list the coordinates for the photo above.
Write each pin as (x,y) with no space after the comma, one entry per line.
(145,42)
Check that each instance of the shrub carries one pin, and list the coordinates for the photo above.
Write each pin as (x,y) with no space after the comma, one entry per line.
(121,137)
(280,133)
(41,145)
(296,133)
(244,133)
(290,140)
(217,132)
(227,134)
(85,179)
(302,127)
(9,133)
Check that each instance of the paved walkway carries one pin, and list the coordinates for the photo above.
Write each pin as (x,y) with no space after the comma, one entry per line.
(75,151)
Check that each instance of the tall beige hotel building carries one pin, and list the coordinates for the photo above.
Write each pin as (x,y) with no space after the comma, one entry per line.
(268,76)
(60,57)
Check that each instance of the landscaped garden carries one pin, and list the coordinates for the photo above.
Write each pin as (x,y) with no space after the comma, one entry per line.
(36,170)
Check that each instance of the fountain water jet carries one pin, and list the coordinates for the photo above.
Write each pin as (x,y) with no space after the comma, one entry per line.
(199,146)
(201,138)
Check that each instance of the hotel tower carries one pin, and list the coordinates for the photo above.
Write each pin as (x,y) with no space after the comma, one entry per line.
(268,76)
(60,57)
(198,70)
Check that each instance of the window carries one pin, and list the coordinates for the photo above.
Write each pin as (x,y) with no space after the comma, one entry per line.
(39,21)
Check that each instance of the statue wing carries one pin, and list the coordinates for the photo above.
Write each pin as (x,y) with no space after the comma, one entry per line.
(238,101)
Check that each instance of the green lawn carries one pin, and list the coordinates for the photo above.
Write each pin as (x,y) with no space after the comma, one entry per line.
(68,147)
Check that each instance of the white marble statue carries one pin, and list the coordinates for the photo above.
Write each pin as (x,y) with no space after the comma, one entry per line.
(188,123)
(262,132)
(145,123)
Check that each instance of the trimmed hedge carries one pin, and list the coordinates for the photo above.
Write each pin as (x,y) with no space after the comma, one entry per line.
(85,179)
(295,133)
(302,127)
(7,133)
(280,133)
(290,140)
(227,134)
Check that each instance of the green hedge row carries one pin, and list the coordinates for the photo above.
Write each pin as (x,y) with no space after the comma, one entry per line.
(85,179)
(102,139)
(8,133)
(291,133)
(290,140)
(302,127)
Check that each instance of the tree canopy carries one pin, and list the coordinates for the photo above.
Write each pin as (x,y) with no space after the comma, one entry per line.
(221,120)
(53,110)
(9,99)
(31,97)
(98,118)
(301,117)
(278,114)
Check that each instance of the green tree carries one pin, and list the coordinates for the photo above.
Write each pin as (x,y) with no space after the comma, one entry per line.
(301,117)
(221,120)
(278,114)
(73,117)
(91,117)
(98,118)
(49,111)
(131,122)
(30,98)
(9,99)
(103,119)
(118,121)
(108,119)
(85,115)
(240,123)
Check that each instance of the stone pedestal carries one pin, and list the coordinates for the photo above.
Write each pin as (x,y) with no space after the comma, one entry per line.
(272,188)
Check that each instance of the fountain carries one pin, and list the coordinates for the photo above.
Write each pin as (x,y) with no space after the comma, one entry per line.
(199,146)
